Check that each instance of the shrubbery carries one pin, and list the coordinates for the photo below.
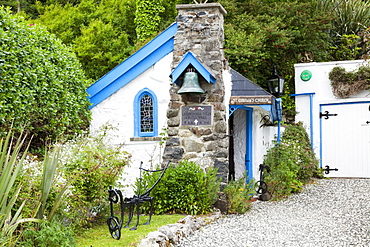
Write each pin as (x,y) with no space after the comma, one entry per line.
(47,233)
(43,88)
(239,194)
(292,161)
(70,185)
(185,188)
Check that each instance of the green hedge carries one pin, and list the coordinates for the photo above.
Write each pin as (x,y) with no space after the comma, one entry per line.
(42,85)
(185,188)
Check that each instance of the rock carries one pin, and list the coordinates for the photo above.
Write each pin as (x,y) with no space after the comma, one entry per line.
(171,234)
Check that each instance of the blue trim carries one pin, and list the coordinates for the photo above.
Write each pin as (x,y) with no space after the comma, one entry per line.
(133,66)
(311,114)
(345,103)
(320,110)
(328,104)
(139,95)
(188,59)
(249,143)
(300,94)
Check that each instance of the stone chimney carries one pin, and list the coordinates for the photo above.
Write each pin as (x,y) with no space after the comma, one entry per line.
(200,31)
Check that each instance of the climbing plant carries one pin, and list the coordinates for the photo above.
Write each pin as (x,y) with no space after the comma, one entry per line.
(345,84)
(147,18)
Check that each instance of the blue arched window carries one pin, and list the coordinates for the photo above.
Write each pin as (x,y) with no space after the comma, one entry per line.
(146,113)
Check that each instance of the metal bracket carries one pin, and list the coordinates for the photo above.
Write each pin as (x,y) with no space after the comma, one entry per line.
(327,115)
(328,169)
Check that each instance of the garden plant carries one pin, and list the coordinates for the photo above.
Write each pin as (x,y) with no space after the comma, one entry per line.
(292,163)
(184,188)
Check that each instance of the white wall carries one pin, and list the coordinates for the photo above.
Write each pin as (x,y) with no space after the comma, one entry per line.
(118,110)
(320,85)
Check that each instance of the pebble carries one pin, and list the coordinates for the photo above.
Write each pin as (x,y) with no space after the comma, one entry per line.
(328,212)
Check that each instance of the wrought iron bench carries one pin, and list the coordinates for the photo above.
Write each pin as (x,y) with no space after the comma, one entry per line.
(131,203)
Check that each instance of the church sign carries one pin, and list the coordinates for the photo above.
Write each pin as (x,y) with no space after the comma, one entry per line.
(251,100)
(196,115)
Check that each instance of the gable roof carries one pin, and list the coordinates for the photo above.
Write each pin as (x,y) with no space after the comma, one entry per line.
(133,66)
(190,59)
(242,86)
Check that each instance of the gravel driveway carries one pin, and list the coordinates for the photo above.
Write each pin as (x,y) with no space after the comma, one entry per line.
(330,212)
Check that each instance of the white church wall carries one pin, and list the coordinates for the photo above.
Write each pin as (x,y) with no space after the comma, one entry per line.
(118,111)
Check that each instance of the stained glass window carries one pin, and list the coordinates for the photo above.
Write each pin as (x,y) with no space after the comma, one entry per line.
(146,114)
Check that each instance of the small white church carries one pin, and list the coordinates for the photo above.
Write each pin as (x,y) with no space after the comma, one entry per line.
(177,98)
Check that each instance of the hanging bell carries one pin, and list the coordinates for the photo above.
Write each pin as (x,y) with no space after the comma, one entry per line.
(190,84)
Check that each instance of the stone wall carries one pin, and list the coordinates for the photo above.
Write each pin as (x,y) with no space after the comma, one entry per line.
(200,30)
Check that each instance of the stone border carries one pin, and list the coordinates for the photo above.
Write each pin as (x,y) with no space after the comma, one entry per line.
(168,235)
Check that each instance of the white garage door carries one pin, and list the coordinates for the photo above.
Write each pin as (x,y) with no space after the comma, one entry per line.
(345,139)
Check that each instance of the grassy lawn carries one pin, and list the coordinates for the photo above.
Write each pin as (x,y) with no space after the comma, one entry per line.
(100,236)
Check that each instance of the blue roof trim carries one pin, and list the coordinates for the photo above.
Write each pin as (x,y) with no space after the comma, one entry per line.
(133,66)
(188,59)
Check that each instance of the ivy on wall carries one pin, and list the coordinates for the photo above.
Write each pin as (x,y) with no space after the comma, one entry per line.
(345,84)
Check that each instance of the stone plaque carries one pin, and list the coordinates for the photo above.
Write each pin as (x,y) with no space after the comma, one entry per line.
(196,115)
(251,100)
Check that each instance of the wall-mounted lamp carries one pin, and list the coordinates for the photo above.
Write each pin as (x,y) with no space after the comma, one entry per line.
(276,87)
(275,83)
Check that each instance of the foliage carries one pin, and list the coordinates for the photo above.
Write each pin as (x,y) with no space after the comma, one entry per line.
(48,178)
(27,7)
(292,163)
(259,35)
(90,164)
(349,16)
(42,84)
(46,234)
(11,162)
(76,192)
(347,48)
(147,18)
(185,188)
(364,43)
(239,194)
(345,84)
(350,19)
(102,34)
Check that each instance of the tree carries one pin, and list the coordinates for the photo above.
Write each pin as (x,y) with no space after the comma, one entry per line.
(43,88)
(102,34)
(350,28)
(147,18)
(259,35)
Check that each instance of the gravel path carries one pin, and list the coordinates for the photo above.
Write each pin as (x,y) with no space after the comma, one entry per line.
(330,212)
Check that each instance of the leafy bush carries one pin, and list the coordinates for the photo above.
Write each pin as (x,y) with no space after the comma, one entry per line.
(86,167)
(239,195)
(292,162)
(185,188)
(46,234)
(90,164)
(42,83)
